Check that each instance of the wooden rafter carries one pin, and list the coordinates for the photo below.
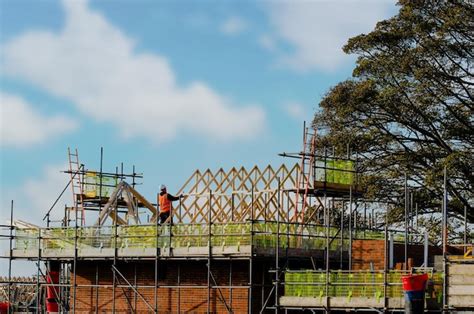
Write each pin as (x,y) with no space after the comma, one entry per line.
(132,198)
(232,194)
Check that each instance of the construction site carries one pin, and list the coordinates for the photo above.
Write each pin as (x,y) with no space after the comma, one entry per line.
(299,236)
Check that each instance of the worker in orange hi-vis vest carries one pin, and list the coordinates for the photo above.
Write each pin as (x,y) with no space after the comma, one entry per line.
(164,200)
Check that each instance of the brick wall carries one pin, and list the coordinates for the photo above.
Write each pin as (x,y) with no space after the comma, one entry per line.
(365,252)
(190,297)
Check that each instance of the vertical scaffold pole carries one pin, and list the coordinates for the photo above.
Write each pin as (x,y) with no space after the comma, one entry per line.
(232,204)
(406,223)
(114,277)
(135,284)
(157,252)
(75,262)
(328,223)
(170,226)
(350,214)
(465,225)
(287,247)
(61,287)
(350,227)
(277,253)
(372,219)
(365,218)
(445,237)
(262,291)
(38,298)
(425,249)
(179,210)
(209,252)
(342,235)
(355,219)
(230,282)
(410,216)
(416,215)
(100,177)
(10,257)
(390,250)
(250,290)
(385,262)
(97,288)
(179,289)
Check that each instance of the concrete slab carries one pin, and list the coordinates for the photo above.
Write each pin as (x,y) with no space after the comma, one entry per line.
(461,301)
(461,279)
(355,302)
(461,290)
(84,253)
(24,253)
(57,253)
(461,269)
(302,302)
(461,285)
(136,252)
(244,251)
(341,302)
(396,303)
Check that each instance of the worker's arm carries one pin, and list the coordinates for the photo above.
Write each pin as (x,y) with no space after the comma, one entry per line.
(172,198)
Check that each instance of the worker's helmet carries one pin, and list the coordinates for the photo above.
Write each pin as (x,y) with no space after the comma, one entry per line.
(162,187)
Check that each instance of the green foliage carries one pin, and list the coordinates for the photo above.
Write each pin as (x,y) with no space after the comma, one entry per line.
(409,106)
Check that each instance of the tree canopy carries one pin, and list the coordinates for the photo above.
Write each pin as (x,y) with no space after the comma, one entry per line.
(408,107)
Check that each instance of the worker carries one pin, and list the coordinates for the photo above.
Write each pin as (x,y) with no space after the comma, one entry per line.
(164,200)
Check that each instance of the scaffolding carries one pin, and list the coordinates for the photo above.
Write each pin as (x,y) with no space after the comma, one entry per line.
(234,215)
(233,240)
(281,221)
(326,179)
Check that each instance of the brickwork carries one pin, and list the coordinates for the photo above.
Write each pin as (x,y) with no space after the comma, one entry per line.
(191,297)
(365,252)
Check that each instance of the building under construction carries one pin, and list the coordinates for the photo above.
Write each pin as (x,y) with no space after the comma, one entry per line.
(270,239)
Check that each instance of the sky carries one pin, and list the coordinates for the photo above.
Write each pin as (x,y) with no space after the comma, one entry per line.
(167,86)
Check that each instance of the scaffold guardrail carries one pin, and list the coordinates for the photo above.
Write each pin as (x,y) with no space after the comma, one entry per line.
(352,284)
(257,233)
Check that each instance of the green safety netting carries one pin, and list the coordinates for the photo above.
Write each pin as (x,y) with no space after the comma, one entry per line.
(368,284)
(93,187)
(26,239)
(335,171)
(260,234)
(341,284)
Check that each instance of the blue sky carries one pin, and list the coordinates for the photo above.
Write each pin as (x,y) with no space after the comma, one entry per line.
(169,86)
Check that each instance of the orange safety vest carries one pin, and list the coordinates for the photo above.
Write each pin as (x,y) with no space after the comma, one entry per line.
(165,204)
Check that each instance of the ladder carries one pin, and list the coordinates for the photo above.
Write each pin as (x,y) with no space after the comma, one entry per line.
(306,172)
(77,184)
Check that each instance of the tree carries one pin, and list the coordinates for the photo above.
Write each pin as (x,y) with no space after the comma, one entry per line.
(409,106)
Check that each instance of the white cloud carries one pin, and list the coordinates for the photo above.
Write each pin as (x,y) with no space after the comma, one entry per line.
(233,26)
(295,110)
(42,192)
(317,30)
(21,125)
(93,64)
(267,42)
(32,198)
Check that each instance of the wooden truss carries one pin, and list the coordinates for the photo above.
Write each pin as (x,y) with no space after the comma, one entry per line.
(238,195)
(133,201)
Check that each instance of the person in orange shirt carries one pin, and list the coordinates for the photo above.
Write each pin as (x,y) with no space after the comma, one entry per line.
(164,200)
